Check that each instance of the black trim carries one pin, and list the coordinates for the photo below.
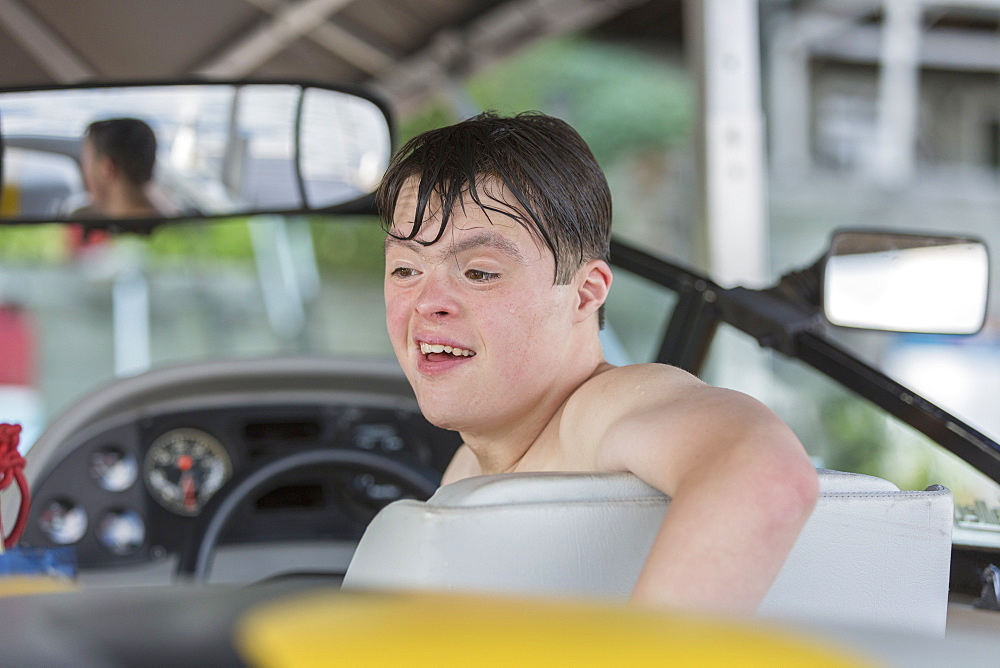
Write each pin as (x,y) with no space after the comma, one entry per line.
(694,319)
(668,274)
(298,150)
(690,332)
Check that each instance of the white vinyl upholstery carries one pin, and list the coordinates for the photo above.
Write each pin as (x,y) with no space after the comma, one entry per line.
(869,554)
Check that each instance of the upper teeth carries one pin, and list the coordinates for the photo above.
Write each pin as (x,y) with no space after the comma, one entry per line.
(438,348)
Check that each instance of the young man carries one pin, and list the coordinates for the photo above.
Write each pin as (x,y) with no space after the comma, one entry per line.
(496,274)
(117,160)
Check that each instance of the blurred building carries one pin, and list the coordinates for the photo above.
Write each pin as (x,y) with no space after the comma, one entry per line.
(881,113)
(887,114)
(891,89)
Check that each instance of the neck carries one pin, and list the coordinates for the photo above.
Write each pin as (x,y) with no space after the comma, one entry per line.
(504,447)
(129,201)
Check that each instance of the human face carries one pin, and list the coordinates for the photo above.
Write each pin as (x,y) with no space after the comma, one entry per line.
(485,292)
(94,167)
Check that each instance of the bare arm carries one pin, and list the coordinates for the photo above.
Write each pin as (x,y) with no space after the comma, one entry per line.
(741,485)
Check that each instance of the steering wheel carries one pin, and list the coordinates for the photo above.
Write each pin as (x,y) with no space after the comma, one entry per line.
(195,558)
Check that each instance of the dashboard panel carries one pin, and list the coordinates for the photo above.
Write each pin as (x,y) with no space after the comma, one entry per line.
(127,487)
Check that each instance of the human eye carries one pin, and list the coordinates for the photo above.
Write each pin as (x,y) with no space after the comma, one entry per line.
(403,272)
(480,276)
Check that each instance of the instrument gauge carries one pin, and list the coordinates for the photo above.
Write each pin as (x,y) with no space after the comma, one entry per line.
(184,468)
(121,531)
(113,469)
(63,522)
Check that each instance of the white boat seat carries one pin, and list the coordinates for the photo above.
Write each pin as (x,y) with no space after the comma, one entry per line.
(870,554)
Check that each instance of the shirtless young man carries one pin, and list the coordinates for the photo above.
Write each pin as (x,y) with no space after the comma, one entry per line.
(496,273)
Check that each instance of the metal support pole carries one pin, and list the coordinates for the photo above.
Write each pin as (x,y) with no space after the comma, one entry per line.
(131,313)
(898,95)
(724,38)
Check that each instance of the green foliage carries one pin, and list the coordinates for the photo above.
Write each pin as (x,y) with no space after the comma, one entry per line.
(51,244)
(34,244)
(432,115)
(227,239)
(620,100)
(861,438)
(858,431)
(341,244)
(349,244)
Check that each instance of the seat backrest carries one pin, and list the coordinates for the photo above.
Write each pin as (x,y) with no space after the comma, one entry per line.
(869,554)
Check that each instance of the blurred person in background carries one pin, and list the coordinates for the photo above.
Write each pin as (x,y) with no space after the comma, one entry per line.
(119,155)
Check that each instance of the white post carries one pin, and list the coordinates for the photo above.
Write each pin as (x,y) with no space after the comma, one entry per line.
(724,38)
(130,307)
(898,94)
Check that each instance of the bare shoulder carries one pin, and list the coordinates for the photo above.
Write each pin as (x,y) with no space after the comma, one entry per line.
(638,388)
(625,388)
(654,418)
(598,407)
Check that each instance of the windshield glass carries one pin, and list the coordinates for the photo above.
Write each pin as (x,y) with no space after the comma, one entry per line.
(78,310)
(958,373)
(846,433)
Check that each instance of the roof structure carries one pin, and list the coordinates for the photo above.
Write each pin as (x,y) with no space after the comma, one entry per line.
(403,47)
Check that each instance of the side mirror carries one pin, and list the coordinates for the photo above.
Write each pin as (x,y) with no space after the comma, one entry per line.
(221,149)
(906,282)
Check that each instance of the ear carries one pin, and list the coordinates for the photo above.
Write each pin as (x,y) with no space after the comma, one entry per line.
(593,281)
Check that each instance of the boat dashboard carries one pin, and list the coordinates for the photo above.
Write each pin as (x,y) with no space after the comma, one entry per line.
(125,477)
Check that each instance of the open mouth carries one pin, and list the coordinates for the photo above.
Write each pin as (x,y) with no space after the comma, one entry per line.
(440,352)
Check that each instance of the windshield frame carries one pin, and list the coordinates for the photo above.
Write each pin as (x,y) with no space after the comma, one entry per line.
(795,329)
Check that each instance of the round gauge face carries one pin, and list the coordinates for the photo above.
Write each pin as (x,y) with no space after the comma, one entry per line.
(63,522)
(121,531)
(113,469)
(184,468)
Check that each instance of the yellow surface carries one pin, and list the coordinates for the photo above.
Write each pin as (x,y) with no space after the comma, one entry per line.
(24,585)
(336,628)
(10,200)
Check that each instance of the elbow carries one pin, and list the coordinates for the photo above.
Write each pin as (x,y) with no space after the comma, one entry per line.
(788,476)
(792,489)
(783,479)
(804,492)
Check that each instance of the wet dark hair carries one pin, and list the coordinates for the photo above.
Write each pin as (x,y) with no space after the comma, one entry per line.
(130,144)
(543,162)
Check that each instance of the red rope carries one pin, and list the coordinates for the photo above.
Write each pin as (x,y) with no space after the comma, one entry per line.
(11,469)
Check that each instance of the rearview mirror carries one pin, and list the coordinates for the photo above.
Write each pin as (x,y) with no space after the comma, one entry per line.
(906,282)
(221,149)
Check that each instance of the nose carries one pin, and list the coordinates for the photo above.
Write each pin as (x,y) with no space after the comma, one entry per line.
(437,298)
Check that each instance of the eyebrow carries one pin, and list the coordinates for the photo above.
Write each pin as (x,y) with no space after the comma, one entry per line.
(481,239)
